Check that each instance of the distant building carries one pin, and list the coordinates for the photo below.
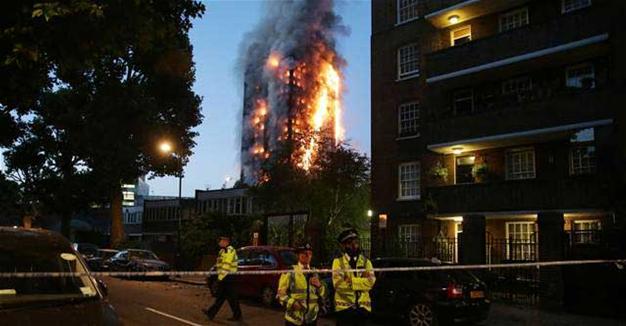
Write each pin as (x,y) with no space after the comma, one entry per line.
(132,207)
(233,201)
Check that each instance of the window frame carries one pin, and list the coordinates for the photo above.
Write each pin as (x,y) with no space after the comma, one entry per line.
(582,170)
(585,238)
(417,180)
(416,132)
(412,73)
(510,14)
(509,174)
(453,39)
(455,100)
(564,10)
(527,248)
(399,20)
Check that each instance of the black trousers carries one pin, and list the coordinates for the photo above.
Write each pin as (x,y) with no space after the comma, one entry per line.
(226,292)
(352,317)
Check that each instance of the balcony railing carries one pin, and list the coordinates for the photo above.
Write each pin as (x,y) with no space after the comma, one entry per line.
(566,29)
(573,192)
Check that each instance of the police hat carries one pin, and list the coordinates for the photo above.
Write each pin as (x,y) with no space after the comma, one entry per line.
(304,247)
(223,237)
(348,234)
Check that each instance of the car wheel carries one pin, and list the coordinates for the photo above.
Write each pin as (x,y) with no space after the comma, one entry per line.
(421,314)
(268,295)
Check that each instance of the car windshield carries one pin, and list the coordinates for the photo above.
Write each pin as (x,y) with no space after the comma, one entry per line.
(39,289)
(289,257)
(141,254)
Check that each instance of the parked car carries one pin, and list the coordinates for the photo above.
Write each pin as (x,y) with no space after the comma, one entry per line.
(88,250)
(136,260)
(100,262)
(77,300)
(424,297)
(255,258)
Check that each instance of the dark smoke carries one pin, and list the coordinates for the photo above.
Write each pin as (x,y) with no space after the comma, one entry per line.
(300,31)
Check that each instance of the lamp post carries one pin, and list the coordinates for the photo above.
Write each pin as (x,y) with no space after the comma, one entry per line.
(167,148)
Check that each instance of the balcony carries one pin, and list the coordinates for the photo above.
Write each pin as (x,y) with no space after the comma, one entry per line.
(568,32)
(542,108)
(520,195)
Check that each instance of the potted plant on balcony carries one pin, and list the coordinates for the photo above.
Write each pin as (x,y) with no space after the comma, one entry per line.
(439,172)
(480,172)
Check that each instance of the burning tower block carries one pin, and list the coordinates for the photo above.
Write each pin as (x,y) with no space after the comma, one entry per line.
(292,87)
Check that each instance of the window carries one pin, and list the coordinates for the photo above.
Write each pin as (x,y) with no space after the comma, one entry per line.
(461,35)
(408,119)
(521,241)
(520,164)
(513,19)
(463,101)
(517,86)
(408,61)
(409,181)
(409,232)
(571,5)
(580,76)
(586,231)
(583,160)
(407,10)
(409,236)
(464,167)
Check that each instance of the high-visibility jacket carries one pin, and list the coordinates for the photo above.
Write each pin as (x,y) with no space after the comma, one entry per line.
(226,262)
(294,287)
(352,289)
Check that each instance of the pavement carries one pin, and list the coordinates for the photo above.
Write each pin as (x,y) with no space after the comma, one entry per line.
(180,302)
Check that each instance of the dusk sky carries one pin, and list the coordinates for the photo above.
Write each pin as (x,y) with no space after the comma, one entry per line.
(216,38)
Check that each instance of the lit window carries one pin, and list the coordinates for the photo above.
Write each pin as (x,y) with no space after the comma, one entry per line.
(461,35)
(521,241)
(517,86)
(513,19)
(408,119)
(407,10)
(580,76)
(409,180)
(586,231)
(571,5)
(408,61)
(520,164)
(463,101)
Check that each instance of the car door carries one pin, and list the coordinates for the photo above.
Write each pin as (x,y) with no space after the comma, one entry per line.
(120,261)
(392,291)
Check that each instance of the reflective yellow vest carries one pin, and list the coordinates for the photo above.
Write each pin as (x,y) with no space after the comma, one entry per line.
(352,289)
(292,287)
(226,262)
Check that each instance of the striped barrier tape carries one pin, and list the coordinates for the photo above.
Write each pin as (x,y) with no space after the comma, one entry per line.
(619,263)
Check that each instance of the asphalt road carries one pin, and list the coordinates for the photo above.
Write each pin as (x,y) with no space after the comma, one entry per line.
(156,303)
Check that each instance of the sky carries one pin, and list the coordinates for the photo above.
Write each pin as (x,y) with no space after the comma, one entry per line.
(215,38)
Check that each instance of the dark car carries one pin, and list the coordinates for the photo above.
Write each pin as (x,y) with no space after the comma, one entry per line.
(259,258)
(428,297)
(137,260)
(79,300)
(101,261)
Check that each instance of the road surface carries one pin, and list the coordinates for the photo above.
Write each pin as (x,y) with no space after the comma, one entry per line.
(173,303)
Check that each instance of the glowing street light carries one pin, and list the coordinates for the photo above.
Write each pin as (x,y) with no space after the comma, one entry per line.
(165,147)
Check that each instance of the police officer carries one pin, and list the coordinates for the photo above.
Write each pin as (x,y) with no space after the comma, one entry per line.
(299,293)
(352,298)
(226,264)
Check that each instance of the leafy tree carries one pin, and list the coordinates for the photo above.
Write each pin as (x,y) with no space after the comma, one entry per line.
(335,192)
(128,64)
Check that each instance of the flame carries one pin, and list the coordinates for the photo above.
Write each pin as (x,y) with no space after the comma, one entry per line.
(273,61)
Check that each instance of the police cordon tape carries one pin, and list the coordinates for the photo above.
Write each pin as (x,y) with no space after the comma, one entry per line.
(619,263)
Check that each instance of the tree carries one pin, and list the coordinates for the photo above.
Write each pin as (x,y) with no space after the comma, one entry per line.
(335,192)
(134,81)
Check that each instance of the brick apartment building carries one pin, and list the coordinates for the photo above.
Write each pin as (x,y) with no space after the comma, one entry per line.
(497,127)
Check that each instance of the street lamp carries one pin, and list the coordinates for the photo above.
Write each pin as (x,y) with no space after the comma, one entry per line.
(167,148)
